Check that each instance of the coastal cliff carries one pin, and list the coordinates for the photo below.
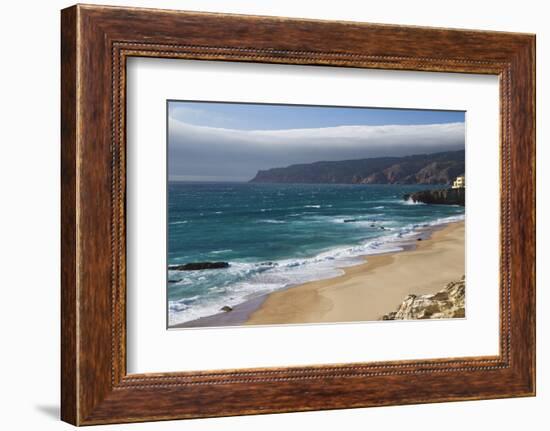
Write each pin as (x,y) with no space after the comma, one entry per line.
(441,196)
(436,168)
(445,304)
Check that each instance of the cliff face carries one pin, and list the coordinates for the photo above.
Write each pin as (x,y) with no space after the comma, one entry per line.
(443,196)
(437,168)
(445,304)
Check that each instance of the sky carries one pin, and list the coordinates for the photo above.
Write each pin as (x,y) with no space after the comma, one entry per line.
(209,141)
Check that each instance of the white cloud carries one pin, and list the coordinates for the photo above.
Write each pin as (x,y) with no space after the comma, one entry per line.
(200,150)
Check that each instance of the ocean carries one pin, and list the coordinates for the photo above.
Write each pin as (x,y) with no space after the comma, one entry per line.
(278,235)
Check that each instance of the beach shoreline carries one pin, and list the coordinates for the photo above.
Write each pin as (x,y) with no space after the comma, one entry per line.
(369,290)
(364,292)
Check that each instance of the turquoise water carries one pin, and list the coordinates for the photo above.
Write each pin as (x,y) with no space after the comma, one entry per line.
(279,235)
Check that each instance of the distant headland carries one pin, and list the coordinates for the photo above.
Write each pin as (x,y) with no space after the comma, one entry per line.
(435,168)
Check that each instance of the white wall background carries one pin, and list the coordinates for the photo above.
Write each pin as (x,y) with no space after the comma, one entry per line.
(29,216)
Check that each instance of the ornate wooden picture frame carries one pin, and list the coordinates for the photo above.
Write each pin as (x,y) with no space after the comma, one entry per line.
(96,41)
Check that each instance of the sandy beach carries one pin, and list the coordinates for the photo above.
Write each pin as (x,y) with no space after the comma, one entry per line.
(367,291)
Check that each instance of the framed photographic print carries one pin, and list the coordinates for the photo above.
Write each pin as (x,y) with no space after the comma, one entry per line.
(279,215)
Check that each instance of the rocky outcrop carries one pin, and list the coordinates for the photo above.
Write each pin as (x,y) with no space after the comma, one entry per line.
(441,196)
(195,266)
(445,304)
(436,168)
(174,281)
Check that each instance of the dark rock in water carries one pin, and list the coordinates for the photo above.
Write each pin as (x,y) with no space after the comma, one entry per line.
(226,308)
(195,266)
(441,196)
(174,281)
(349,220)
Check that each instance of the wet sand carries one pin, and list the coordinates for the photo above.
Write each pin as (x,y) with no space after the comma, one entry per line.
(367,291)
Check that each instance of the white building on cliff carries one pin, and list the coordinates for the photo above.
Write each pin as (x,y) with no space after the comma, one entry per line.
(459,182)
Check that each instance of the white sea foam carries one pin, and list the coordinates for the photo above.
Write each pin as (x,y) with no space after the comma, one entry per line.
(445,220)
(409,201)
(257,279)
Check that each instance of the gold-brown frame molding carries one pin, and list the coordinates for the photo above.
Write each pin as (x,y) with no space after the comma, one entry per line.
(96,41)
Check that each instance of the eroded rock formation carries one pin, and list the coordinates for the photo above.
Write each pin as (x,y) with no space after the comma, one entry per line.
(445,304)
